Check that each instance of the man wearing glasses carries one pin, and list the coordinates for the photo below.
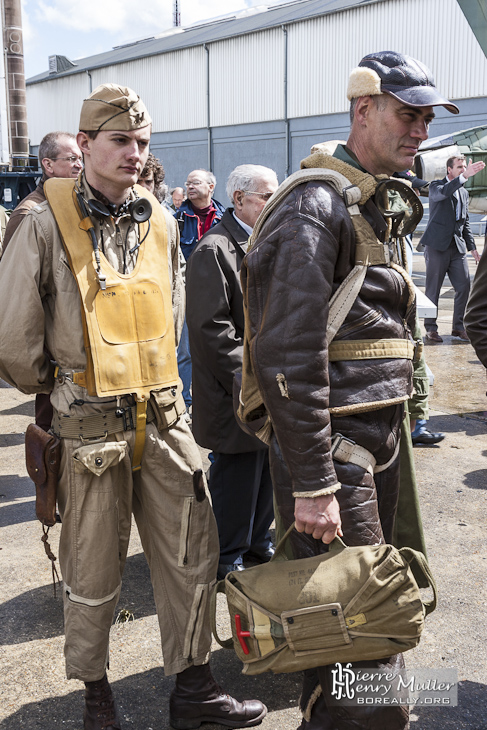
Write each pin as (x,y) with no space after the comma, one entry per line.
(240,482)
(197,214)
(59,156)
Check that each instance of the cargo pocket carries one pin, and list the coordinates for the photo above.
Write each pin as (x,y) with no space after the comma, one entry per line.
(196,622)
(168,405)
(310,630)
(97,458)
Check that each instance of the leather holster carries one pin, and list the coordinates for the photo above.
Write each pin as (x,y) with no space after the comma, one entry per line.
(42,456)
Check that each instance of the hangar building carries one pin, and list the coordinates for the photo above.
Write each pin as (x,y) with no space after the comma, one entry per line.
(264,85)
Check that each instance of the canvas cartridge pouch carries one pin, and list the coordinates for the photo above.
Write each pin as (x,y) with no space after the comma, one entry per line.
(168,405)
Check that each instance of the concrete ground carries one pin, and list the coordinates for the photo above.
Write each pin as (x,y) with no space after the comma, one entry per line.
(453,486)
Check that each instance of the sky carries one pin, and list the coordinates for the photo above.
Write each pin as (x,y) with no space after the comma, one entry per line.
(79,28)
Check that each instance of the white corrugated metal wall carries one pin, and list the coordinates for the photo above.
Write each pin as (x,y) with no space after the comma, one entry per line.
(247,72)
(323,51)
(246,79)
(55,105)
(154,78)
(159,81)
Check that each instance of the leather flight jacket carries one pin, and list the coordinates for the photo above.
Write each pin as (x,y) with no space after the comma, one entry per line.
(302,251)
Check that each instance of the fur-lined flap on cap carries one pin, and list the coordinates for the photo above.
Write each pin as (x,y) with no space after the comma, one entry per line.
(363,82)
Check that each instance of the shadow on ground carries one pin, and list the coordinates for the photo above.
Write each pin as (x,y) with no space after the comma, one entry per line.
(470,714)
(22,409)
(16,614)
(12,439)
(143,698)
(457,423)
(13,487)
(476,479)
(15,514)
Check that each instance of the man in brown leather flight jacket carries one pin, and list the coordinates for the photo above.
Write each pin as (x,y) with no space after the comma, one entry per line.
(336,409)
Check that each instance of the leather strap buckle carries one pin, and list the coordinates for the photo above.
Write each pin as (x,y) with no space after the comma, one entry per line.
(347,451)
(336,441)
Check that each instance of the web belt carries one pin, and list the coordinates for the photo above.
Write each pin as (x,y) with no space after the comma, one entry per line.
(100,425)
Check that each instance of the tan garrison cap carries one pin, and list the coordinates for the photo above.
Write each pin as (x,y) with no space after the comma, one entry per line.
(112,107)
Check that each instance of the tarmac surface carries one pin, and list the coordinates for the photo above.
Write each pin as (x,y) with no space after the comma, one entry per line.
(452,477)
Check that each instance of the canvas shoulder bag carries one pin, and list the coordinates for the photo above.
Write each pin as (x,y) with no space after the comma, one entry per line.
(350,604)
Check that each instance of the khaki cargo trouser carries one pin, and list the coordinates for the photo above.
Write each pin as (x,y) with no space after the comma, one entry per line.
(178,533)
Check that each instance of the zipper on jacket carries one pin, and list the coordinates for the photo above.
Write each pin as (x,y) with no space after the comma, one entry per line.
(369,318)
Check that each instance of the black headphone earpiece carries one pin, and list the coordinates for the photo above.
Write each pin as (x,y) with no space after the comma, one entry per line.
(140,210)
(98,210)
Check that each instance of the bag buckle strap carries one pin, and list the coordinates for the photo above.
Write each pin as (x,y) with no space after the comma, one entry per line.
(337,440)
(351,195)
(347,451)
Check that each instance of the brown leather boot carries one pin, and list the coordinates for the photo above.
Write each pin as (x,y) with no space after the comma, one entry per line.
(197,698)
(312,704)
(100,709)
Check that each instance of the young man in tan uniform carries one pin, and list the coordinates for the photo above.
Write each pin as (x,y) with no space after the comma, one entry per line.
(117,407)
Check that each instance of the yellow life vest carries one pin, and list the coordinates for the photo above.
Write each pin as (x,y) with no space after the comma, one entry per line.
(128,327)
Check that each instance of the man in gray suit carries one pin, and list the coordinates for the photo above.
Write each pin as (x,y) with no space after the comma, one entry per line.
(447,239)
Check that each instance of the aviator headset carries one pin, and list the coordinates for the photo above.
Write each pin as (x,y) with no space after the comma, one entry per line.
(140,210)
